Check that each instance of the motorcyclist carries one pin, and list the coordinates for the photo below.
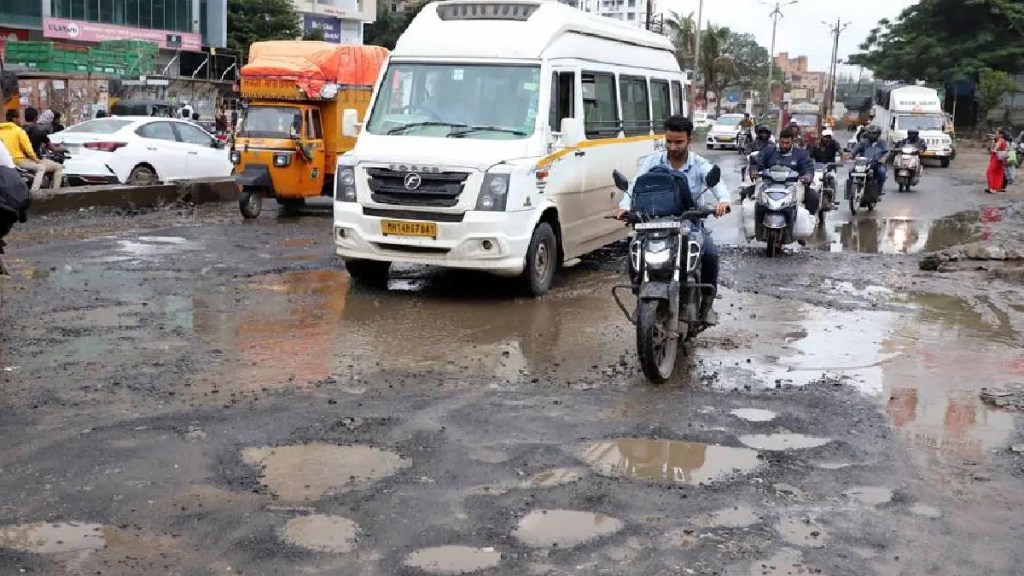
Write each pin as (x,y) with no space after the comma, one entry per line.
(678,158)
(827,149)
(874,149)
(763,140)
(747,125)
(913,139)
(797,160)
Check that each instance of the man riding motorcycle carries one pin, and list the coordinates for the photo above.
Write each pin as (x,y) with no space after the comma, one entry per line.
(764,139)
(747,125)
(913,139)
(827,149)
(797,160)
(874,149)
(678,159)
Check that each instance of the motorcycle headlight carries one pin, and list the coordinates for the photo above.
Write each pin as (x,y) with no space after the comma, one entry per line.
(657,254)
(493,193)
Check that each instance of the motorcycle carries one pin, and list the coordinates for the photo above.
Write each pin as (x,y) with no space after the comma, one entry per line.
(862,185)
(908,167)
(773,214)
(825,182)
(29,175)
(743,142)
(673,304)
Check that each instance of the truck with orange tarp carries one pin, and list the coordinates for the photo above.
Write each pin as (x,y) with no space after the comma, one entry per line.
(289,136)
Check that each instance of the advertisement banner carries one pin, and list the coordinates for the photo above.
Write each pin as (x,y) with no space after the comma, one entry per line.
(330,25)
(61,29)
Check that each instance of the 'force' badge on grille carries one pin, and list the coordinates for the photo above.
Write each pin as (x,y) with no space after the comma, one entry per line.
(412,181)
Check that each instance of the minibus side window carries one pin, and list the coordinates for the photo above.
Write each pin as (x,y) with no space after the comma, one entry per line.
(636,112)
(677,98)
(600,105)
(660,104)
(563,98)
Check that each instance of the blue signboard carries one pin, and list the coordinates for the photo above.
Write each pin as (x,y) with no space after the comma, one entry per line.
(330,24)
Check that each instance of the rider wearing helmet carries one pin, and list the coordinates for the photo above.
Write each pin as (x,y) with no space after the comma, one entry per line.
(764,138)
(874,149)
(913,139)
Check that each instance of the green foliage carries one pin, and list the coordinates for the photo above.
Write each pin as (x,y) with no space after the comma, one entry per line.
(682,30)
(315,34)
(992,86)
(258,20)
(390,25)
(942,40)
(728,59)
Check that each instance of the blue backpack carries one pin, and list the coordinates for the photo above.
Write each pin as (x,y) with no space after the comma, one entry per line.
(661,192)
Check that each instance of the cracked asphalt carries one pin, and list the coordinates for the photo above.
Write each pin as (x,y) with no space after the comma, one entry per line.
(184,393)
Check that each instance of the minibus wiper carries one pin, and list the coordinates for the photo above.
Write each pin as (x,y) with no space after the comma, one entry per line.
(405,127)
(471,129)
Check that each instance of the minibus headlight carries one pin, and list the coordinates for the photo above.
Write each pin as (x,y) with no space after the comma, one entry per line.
(493,193)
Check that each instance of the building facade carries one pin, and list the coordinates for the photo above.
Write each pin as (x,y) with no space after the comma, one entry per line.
(630,11)
(341,20)
(172,24)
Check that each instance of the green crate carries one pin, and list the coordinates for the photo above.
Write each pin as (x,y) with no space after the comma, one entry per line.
(131,46)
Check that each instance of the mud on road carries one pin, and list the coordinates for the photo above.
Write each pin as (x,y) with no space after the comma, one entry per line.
(184,393)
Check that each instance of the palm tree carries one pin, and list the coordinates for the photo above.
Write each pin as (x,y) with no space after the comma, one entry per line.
(717,68)
(682,30)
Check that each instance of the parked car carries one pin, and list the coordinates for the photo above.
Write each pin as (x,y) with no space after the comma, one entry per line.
(141,150)
(725,131)
(703,121)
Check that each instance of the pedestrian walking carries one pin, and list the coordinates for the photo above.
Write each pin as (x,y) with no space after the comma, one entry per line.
(997,163)
(1012,161)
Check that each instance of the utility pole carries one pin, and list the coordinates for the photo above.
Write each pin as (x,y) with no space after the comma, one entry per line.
(696,59)
(775,14)
(834,66)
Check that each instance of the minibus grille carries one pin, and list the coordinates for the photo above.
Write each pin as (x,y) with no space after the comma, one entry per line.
(433,189)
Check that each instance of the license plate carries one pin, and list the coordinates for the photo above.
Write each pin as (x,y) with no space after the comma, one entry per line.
(726,138)
(404,228)
(658,226)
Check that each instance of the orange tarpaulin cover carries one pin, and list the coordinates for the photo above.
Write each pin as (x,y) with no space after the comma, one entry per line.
(313,64)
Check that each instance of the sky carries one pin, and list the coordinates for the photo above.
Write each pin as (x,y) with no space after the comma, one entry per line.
(800,30)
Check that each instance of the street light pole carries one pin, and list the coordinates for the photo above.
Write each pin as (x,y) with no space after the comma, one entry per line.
(833,68)
(775,14)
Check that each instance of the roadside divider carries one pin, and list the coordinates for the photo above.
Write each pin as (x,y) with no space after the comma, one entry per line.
(202,191)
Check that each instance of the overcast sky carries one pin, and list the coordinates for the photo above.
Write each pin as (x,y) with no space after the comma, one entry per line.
(800,29)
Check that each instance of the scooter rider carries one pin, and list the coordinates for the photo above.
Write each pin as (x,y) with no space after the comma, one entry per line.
(913,139)
(797,160)
(764,139)
(678,158)
(872,148)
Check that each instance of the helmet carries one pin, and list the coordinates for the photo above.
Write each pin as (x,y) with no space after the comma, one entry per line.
(912,135)
(873,133)
(763,129)
(826,133)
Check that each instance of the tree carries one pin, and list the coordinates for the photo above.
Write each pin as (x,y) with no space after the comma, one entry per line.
(993,85)
(390,25)
(316,33)
(717,68)
(682,30)
(943,40)
(257,20)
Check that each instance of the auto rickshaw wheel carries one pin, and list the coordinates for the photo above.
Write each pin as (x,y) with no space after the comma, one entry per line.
(250,204)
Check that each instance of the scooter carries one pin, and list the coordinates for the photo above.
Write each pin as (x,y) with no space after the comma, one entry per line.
(773,213)
(862,187)
(907,166)
(673,305)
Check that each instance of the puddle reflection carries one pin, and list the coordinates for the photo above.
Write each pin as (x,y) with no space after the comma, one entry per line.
(904,235)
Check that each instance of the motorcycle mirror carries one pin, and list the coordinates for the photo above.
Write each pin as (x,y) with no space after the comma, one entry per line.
(620,181)
(714,177)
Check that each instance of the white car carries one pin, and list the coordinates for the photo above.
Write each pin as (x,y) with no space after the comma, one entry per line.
(140,150)
(702,120)
(725,132)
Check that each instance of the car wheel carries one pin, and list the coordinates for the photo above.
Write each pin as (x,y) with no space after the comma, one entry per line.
(142,176)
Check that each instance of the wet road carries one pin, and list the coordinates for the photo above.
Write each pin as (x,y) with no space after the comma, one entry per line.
(184,393)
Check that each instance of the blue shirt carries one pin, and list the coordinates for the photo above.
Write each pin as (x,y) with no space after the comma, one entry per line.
(797,160)
(695,170)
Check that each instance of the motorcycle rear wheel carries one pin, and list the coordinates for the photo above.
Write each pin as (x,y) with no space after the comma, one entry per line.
(655,344)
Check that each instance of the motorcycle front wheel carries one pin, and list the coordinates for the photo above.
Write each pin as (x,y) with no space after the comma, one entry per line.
(655,344)
(855,198)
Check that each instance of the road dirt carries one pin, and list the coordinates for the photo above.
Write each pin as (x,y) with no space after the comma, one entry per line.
(185,393)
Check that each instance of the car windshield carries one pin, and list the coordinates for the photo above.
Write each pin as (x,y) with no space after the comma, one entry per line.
(729,120)
(493,102)
(920,123)
(805,120)
(269,122)
(99,126)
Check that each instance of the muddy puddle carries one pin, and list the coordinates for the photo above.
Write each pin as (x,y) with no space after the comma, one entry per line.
(321,533)
(905,235)
(564,528)
(670,461)
(734,517)
(785,562)
(453,560)
(754,414)
(53,538)
(870,495)
(311,471)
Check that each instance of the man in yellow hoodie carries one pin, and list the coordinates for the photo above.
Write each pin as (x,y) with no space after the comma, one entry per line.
(16,141)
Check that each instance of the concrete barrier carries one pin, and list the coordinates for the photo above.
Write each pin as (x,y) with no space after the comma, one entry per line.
(119,196)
